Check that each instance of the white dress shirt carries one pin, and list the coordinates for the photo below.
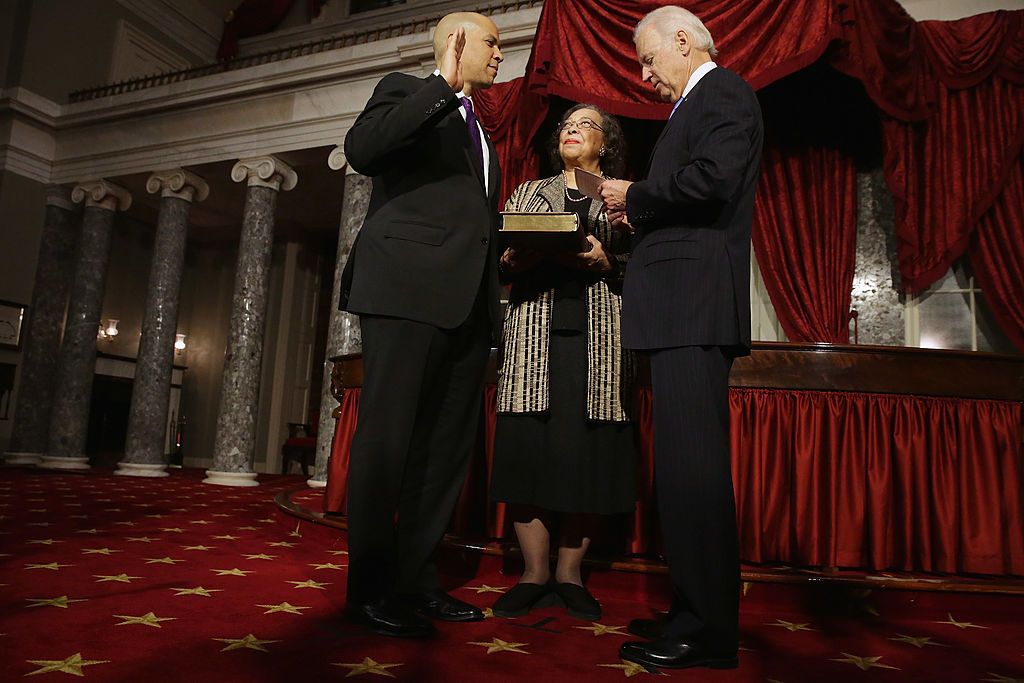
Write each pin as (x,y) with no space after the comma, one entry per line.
(698,73)
(483,136)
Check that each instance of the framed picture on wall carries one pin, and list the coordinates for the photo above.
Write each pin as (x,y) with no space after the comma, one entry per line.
(12,317)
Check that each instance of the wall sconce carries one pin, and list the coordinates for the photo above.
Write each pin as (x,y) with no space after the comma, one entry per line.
(179,343)
(109,330)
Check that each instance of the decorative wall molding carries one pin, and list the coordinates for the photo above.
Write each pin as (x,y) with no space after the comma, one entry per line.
(136,54)
(186,22)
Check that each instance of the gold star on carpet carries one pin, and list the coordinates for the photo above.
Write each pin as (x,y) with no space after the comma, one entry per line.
(43,541)
(499,645)
(630,669)
(337,552)
(220,514)
(259,556)
(283,607)
(747,585)
(126,523)
(140,539)
(200,521)
(198,547)
(72,665)
(148,619)
(173,530)
(63,602)
(250,642)
(916,642)
(368,666)
(248,528)
(160,560)
(601,629)
(296,532)
(198,590)
(54,566)
(120,578)
(998,678)
(864,663)
(792,626)
(227,537)
(87,531)
(99,551)
(155,516)
(38,510)
(230,572)
(484,588)
(959,624)
(309,583)
(267,520)
(328,565)
(38,524)
(281,544)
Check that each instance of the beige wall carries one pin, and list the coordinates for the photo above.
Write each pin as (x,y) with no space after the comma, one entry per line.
(70,43)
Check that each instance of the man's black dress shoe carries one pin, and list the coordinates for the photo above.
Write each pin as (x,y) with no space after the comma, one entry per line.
(437,604)
(670,653)
(388,617)
(651,629)
(523,597)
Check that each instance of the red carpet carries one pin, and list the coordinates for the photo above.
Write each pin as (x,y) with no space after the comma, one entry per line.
(125,579)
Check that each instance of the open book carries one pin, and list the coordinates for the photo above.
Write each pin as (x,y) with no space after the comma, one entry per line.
(544,231)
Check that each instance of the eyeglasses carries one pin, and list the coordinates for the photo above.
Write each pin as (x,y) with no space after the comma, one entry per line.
(582,124)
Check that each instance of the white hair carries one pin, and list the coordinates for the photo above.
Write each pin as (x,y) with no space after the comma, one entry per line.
(670,18)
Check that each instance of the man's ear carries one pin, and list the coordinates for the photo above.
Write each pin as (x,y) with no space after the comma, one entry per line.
(682,41)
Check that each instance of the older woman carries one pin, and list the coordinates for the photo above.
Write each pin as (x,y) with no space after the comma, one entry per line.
(564,450)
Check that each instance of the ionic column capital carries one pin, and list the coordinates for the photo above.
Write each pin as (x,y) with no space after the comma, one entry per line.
(103,194)
(59,196)
(265,171)
(179,183)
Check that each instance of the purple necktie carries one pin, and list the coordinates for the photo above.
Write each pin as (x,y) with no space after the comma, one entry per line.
(474,133)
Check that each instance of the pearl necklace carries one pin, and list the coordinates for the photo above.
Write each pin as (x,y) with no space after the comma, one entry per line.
(568,197)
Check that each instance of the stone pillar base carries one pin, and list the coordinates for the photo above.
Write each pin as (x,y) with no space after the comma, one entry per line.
(16,458)
(138,469)
(316,483)
(231,478)
(50,462)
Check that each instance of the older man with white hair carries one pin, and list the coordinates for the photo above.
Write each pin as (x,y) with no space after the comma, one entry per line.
(686,303)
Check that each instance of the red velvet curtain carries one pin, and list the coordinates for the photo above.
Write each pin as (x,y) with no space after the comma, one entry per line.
(950,94)
(822,479)
(512,115)
(805,237)
(997,256)
(251,18)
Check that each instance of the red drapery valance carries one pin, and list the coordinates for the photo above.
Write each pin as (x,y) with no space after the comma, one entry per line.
(822,479)
(950,94)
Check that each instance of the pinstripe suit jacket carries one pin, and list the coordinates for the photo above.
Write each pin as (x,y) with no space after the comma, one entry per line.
(523,378)
(688,283)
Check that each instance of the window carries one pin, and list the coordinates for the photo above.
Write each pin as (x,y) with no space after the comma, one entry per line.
(952,314)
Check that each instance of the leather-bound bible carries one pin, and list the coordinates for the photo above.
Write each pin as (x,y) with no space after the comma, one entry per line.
(543,231)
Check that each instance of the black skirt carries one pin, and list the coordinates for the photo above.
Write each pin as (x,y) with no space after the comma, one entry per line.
(562,461)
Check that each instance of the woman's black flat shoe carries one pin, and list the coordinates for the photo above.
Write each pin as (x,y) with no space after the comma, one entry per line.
(523,597)
(579,603)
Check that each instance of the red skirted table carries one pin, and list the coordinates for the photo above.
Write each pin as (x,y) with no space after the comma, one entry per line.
(843,457)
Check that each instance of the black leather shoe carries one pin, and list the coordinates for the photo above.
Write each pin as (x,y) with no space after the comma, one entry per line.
(389,617)
(523,597)
(670,653)
(579,603)
(651,629)
(437,604)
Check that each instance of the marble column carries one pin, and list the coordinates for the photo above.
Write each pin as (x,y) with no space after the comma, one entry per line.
(343,328)
(234,443)
(43,327)
(151,390)
(69,419)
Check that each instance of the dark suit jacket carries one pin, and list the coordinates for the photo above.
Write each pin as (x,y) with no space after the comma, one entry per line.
(688,281)
(429,240)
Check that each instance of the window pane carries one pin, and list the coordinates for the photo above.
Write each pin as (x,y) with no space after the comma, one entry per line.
(945,321)
(990,337)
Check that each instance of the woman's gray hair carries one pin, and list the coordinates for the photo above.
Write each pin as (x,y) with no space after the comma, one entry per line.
(668,19)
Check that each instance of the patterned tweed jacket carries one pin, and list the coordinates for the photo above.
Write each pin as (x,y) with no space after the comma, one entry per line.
(523,378)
